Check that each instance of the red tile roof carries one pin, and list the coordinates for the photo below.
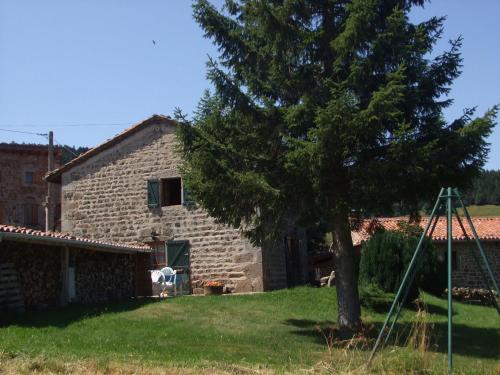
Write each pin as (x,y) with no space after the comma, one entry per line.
(55,175)
(21,233)
(487,228)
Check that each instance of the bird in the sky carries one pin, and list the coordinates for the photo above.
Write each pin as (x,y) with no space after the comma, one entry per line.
(154,42)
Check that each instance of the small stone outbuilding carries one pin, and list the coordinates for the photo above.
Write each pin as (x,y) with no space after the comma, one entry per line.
(44,269)
(465,271)
(129,189)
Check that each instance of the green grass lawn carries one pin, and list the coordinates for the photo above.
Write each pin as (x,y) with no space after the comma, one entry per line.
(486,210)
(274,332)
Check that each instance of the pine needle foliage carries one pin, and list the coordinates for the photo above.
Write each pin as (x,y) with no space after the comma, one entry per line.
(386,257)
(324,109)
(325,104)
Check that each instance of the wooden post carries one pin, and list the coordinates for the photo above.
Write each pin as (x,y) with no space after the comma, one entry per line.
(49,209)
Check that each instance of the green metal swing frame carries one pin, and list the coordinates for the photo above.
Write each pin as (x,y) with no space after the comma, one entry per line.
(445,203)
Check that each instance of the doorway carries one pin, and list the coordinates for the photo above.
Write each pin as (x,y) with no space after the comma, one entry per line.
(177,254)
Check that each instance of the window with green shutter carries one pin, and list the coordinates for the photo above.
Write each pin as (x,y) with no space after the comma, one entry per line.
(153,193)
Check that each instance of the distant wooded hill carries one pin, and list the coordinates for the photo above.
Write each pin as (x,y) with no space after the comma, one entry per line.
(485,189)
(69,153)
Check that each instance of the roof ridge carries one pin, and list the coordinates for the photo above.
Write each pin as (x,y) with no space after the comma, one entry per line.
(55,175)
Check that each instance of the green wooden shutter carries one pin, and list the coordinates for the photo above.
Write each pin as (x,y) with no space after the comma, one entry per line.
(153,193)
(187,197)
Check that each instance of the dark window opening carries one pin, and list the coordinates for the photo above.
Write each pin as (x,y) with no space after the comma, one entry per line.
(30,214)
(29,178)
(171,191)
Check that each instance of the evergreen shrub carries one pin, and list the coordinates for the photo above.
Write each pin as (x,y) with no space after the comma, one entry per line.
(385,259)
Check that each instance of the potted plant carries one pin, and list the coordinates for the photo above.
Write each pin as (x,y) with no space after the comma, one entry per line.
(213,288)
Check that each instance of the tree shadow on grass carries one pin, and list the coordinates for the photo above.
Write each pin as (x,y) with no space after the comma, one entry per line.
(467,341)
(307,323)
(382,306)
(63,316)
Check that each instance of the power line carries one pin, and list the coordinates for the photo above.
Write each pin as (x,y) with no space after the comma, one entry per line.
(24,132)
(62,125)
(66,148)
(42,135)
(60,144)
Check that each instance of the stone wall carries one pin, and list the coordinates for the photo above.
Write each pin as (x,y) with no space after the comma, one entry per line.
(16,193)
(105,197)
(467,273)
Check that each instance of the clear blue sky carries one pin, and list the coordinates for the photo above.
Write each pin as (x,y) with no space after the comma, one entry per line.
(81,62)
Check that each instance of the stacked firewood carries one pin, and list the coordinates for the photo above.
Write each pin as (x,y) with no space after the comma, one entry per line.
(473,295)
(38,273)
(102,277)
(11,297)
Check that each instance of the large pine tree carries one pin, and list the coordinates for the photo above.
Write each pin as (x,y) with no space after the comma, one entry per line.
(323,109)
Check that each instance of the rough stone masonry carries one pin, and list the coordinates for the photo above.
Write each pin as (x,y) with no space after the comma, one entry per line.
(105,197)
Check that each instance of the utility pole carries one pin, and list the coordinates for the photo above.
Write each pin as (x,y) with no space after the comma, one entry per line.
(49,209)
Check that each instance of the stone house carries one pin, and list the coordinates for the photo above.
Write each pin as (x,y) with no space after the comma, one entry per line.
(129,189)
(43,269)
(465,272)
(22,188)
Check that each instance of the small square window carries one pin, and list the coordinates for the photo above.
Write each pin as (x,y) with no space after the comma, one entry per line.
(30,214)
(171,191)
(29,178)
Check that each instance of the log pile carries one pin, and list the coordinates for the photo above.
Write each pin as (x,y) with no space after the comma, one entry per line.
(102,277)
(38,272)
(99,276)
(473,295)
(41,280)
(11,297)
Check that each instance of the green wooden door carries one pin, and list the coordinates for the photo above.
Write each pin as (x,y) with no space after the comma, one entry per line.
(178,259)
(178,254)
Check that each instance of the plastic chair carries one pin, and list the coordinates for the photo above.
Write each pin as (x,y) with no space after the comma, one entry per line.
(170,280)
(157,279)
(157,276)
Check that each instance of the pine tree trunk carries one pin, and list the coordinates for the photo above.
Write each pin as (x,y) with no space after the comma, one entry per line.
(346,276)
